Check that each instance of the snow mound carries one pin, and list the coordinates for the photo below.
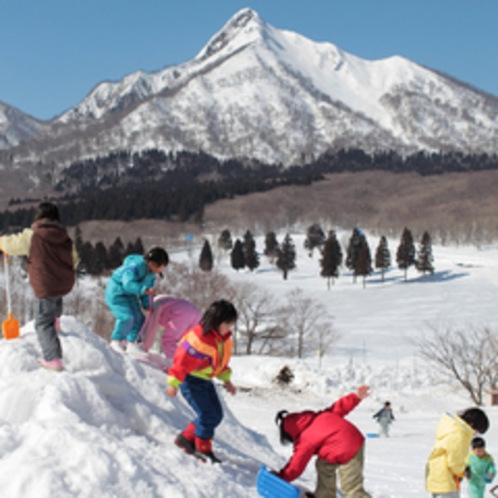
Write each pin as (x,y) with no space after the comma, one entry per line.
(104,427)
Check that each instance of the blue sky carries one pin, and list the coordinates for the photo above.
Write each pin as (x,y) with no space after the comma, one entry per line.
(53,52)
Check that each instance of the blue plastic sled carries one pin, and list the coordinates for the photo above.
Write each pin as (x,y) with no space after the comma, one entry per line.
(271,486)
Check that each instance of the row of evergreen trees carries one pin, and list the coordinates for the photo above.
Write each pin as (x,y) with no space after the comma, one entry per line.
(97,259)
(358,259)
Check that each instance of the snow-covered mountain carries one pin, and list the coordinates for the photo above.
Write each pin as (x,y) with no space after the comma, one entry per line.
(274,95)
(16,126)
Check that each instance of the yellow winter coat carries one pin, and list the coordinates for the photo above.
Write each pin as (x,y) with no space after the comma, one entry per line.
(447,459)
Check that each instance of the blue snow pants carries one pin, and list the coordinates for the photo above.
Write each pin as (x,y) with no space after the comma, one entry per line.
(202,397)
(126,310)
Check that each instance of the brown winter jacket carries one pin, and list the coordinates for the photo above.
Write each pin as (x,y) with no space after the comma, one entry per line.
(50,262)
(51,257)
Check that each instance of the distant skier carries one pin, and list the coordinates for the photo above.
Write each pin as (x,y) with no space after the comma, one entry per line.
(338,444)
(175,317)
(385,417)
(132,281)
(203,353)
(446,464)
(479,468)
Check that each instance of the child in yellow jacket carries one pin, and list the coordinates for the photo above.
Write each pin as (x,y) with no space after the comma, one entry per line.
(446,464)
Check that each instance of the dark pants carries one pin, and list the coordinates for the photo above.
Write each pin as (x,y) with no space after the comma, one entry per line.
(47,309)
(201,396)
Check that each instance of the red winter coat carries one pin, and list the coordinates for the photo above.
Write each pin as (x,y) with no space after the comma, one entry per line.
(326,434)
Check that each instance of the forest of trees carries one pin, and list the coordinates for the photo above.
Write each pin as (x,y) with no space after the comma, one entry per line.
(156,185)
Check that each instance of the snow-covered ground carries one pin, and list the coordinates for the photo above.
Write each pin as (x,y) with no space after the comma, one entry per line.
(104,427)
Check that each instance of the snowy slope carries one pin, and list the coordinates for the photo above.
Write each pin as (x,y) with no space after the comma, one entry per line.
(104,427)
(16,126)
(275,95)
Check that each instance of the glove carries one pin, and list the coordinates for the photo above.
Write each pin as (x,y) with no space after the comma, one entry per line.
(467,472)
(488,478)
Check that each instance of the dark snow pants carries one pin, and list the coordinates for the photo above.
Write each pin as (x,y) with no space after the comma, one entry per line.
(202,397)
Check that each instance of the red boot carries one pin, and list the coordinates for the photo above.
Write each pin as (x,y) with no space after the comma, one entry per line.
(186,439)
(204,450)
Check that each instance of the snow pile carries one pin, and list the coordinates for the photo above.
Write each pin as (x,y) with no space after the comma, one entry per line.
(104,427)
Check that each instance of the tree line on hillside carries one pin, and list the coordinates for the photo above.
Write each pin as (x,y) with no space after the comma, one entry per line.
(98,259)
(243,253)
(157,185)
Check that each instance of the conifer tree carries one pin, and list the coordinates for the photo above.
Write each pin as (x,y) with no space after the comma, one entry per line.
(331,258)
(425,258)
(352,251)
(314,238)
(116,253)
(382,256)
(225,240)
(271,246)
(405,256)
(363,266)
(138,247)
(98,260)
(251,257)
(286,258)
(85,254)
(237,256)
(130,249)
(206,257)
(78,240)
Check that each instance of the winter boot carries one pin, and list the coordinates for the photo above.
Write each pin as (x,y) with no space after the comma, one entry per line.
(204,451)
(134,350)
(117,346)
(186,439)
(55,365)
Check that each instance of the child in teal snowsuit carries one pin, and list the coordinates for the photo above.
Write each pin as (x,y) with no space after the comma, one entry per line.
(131,282)
(479,468)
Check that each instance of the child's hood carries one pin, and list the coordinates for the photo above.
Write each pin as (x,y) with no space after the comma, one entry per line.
(449,424)
(296,423)
(49,230)
(134,260)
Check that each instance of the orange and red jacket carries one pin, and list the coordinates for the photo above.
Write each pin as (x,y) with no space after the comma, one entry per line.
(201,355)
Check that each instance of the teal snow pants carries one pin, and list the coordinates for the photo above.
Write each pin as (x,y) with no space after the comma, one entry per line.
(126,310)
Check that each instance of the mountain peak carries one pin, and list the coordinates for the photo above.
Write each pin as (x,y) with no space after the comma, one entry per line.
(243,28)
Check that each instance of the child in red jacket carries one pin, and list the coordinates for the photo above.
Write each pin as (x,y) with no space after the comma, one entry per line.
(338,444)
(202,354)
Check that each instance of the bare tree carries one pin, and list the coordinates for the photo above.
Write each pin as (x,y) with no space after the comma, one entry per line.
(304,319)
(326,336)
(191,283)
(256,310)
(468,355)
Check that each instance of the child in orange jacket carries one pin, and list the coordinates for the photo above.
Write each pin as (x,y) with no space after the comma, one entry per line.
(202,354)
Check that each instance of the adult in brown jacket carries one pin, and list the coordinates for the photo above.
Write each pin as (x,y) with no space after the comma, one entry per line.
(51,268)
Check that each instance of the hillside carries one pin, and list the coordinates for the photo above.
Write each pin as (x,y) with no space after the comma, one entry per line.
(104,427)
(459,207)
